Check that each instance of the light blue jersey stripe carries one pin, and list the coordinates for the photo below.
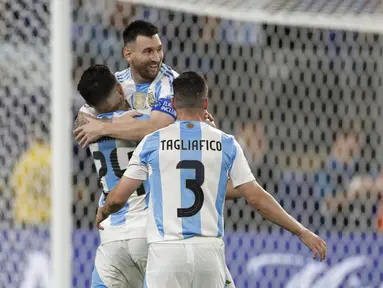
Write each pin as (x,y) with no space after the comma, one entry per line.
(191,226)
(119,218)
(152,145)
(228,150)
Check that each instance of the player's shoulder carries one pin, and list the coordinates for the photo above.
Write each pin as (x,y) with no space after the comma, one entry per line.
(214,130)
(123,75)
(168,72)
(86,109)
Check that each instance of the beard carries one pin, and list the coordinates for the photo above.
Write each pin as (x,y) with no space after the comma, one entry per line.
(147,71)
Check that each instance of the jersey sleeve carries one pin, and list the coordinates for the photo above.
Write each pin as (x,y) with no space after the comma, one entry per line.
(165,94)
(240,172)
(165,105)
(138,168)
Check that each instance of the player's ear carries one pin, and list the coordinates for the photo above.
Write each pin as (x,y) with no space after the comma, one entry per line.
(173,103)
(119,89)
(205,103)
(127,54)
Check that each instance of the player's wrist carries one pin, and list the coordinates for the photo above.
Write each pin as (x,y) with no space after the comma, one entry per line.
(105,129)
(300,231)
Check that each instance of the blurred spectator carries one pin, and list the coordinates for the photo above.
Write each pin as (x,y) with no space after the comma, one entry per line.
(252,139)
(340,167)
(31,179)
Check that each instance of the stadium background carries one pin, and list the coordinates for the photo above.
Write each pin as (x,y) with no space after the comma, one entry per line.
(304,102)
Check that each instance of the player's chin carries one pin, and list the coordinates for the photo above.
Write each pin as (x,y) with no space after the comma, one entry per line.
(152,72)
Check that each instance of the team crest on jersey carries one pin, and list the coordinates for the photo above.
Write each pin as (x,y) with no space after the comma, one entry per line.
(139,100)
(151,99)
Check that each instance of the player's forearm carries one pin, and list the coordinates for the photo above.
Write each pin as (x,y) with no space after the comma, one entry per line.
(270,209)
(110,208)
(133,132)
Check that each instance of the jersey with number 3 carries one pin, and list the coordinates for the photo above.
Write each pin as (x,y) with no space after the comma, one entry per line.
(188,164)
(111,158)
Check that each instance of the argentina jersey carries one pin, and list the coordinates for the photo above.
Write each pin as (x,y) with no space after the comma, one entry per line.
(188,164)
(111,158)
(153,96)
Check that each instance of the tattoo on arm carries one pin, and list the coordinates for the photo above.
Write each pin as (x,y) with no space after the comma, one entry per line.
(81,120)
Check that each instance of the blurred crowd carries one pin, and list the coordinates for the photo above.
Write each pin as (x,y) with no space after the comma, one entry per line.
(328,175)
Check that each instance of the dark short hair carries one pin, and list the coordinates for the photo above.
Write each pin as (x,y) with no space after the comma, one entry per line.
(138,28)
(190,90)
(96,84)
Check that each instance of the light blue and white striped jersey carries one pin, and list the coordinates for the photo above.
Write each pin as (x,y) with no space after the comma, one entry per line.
(111,158)
(188,164)
(154,96)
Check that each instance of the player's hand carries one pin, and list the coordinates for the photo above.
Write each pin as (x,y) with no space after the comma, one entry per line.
(209,119)
(100,217)
(314,242)
(89,132)
(208,116)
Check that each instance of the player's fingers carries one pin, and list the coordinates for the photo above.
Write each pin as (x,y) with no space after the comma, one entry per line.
(83,142)
(322,252)
(89,140)
(99,226)
(209,116)
(323,242)
(315,252)
(78,130)
(80,136)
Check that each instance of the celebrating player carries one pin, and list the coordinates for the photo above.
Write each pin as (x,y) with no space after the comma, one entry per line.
(188,164)
(147,86)
(121,257)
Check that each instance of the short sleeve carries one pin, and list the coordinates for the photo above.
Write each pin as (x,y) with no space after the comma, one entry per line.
(240,172)
(138,168)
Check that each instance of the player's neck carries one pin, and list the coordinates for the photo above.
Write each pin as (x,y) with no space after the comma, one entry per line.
(191,115)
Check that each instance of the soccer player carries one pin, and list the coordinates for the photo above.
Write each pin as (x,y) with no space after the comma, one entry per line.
(147,86)
(122,254)
(188,164)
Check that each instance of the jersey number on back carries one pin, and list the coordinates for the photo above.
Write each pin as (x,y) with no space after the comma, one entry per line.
(194,185)
(115,166)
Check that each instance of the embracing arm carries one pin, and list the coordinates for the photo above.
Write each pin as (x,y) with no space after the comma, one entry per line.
(136,130)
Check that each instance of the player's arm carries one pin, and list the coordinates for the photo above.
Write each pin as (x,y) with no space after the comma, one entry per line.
(231,192)
(133,178)
(128,128)
(268,207)
(117,198)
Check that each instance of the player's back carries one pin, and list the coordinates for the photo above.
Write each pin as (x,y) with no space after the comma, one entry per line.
(189,163)
(111,157)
